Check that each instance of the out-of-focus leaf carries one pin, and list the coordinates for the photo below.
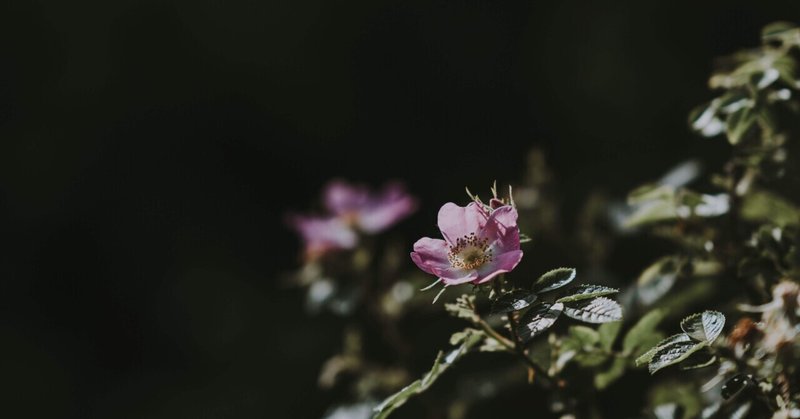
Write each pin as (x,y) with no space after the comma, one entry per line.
(764,206)
(783,32)
(598,310)
(538,319)
(652,212)
(605,378)
(674,339)
(736,385)
(705,326)
(513,301)
(739,123)
(608,334)
(554,279)
(440,365)
(524,238)
(463,308)
(705,119)
(585,292)
(673,354)
(642,331)
(657,279)
(585,335)
(651,192)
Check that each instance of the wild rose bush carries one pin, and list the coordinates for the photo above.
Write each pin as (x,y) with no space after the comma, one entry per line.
(716,320)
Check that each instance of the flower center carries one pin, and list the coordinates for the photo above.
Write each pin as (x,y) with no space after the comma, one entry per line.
(469,252)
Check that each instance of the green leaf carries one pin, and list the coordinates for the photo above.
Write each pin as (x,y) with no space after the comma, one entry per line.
(642,331)
(605,378)
(538,319)
(673,354)
(524,238)
(705,326)
(554,279)
(585,292)
(608,333)
(648,356)
(443,361)
(598,310)
(585,335)
(513,301)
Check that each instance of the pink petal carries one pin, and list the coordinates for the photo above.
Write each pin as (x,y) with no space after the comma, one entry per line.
(455,222)
(505,262)
(341,198)
(430,255)
(382,212)
(453,276)
(501,229)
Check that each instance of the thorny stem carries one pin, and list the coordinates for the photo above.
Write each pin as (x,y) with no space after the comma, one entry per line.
(514,345)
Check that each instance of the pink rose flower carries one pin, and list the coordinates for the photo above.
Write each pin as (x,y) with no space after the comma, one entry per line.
(323,234)
(369,212)
(478,244)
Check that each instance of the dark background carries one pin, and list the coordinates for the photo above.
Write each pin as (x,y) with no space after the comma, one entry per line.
(149,149)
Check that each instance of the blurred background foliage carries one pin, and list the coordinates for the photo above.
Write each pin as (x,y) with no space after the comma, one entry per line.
(149,149)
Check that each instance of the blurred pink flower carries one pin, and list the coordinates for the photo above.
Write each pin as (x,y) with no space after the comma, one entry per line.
(369,212)
(323,234)
(478,245)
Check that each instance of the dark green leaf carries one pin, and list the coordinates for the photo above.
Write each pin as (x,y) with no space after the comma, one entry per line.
(554,279)
(705,326)
(538,319)
(700,359)
(599,310)
(513,301)
(585,292)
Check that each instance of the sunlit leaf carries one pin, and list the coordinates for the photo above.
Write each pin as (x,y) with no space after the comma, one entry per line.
(554,279)
(585,292)
(598,310)
(513,301)
(537,320)
(648,356)
(673,354)
(705,326)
